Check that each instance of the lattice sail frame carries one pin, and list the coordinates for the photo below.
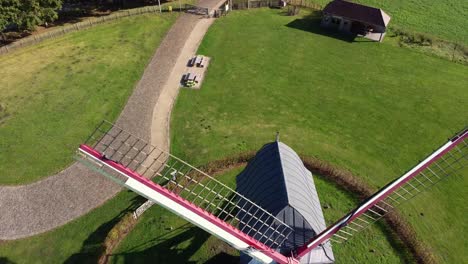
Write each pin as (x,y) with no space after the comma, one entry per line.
(185,190)
(448,160)
(213,206)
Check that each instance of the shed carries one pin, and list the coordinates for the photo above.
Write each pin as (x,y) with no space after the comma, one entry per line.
(277,180)
(366,21)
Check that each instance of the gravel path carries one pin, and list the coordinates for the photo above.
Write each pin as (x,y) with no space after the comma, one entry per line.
(35,208)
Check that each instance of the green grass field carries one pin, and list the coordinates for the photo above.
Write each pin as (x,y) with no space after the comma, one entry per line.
(53,94)
(373,109)
(163,237)
(166,238)
(444,19)
(80,241)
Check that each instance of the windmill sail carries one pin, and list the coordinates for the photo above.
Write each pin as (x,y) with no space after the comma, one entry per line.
(227,214)
(446,161)
(186,191)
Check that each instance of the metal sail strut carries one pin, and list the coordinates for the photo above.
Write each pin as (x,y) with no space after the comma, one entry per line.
(186,191)
(227,214)
(448,160)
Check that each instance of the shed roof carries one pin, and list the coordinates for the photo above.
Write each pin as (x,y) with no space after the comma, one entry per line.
(277,180)
(358,12)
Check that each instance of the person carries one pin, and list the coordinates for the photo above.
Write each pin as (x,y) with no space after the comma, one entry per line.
(282,3)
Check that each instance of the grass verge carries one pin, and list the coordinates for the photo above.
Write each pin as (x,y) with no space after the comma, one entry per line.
(80,241)
(102,230)
(164,237)
(54,93)
(372,109)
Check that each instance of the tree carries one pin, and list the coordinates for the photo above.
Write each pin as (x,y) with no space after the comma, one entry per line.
(27,14)
(9,10)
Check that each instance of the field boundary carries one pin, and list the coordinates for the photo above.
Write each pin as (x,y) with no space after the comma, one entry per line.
(343,179)
(58,199)
(60,31)
(247,4)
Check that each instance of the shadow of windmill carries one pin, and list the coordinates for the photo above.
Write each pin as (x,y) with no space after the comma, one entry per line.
(4,260)
(175,246)
(93,247)
(170,248)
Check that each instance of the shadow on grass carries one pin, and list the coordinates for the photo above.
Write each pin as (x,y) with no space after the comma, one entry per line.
(395,242)
(4,260)
(93,247)
(401,249)
(311,23)
(176,246)
(223,258)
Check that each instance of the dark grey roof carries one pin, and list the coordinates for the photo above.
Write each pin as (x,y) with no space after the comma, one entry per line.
(357,12)
(277,180)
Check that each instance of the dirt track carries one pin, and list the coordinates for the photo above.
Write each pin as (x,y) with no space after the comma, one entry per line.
(35,208)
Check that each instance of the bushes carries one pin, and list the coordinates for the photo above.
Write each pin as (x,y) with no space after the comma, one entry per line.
(26,15)
(117,234)
(430,44)
(347,181)
(412,37)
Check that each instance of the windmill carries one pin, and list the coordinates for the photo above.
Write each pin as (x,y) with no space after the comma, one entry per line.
(242,218)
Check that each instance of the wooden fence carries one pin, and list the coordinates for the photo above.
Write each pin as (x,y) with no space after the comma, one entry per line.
(305,3)
(246,4)
(57,32)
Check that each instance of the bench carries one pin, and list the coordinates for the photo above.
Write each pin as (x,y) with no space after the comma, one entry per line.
(186,77)
(192,77)
(202,64)
(191,62)
(200,61)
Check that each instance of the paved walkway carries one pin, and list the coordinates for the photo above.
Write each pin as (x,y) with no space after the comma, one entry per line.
(35,208)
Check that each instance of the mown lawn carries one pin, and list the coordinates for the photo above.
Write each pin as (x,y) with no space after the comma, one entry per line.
(53,94)
(373,109)
(445,19)
(80,241)
(163,237)
(316,115)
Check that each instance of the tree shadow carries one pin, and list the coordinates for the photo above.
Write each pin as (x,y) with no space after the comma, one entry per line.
(4,260)
(93,247)
(179,246)
(224,258)
(75,12)
(311,23)
(401,249)
(176,246)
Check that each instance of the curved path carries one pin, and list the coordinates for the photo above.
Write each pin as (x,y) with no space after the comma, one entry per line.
(38,207)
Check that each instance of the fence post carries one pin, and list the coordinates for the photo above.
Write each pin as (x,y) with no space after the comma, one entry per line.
(77,27)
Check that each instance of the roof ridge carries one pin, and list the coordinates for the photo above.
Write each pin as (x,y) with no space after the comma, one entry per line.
(359,4)
(282,170)
(358,12)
